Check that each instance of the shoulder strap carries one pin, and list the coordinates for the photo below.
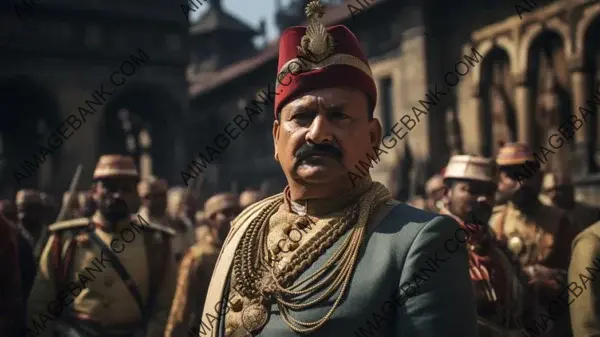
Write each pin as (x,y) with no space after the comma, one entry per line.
(220,275)
(120,269)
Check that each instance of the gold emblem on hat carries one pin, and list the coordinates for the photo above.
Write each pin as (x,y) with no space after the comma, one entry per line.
(317,43)
(516,245)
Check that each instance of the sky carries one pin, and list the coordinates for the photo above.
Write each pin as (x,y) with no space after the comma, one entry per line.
(249,12)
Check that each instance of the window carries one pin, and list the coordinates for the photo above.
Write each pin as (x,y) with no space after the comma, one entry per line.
(387,106)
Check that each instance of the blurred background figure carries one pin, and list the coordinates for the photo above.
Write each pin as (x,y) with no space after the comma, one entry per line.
(12,299)
(250,196)
(197,265)
(153,196)
(181,209)
(27,259)
(219,210)
(434,192)
(418,202)
(30,214)
(558,191)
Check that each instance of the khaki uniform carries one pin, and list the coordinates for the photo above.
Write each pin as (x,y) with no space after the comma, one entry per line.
(583,271)
(89,293)
(192,284)
(543,238)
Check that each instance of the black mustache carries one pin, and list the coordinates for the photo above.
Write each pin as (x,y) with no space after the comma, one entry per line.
(307,150)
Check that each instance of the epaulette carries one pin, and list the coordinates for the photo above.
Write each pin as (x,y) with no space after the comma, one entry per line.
(152,225)
(69,224)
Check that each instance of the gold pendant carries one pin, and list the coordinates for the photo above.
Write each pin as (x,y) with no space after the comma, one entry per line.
(255,317)
(516,245)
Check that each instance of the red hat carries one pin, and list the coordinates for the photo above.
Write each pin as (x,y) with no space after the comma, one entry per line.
(314,57)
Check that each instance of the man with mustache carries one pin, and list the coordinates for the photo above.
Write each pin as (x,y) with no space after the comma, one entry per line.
(111,275)
(538,234)
(499,284)
(324,257)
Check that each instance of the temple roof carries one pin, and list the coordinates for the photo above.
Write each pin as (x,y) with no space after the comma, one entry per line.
(215,19)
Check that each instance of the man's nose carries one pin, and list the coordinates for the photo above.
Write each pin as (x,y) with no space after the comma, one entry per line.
(319,131)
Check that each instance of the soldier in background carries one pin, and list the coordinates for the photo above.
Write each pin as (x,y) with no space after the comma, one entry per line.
(49,216)
(12,301)
(27,260)
(197,265)
(538,234)
(182,206)
(499,284)
(249,197)
(220,210)
(558,191)
(153,192)
(30,215)
(434,192)
(128,296)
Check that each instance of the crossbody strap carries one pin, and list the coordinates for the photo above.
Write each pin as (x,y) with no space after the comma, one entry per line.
(120,269)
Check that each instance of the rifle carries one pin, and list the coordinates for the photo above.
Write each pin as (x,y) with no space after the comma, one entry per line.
(72,189)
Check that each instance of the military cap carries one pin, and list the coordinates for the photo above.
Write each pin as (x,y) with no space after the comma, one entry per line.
(471,167)
(248,197)
(27,196)
(514,154)
(434,183)
(315,57)
(114,165)
(554,180)
(152,186)
(220,201)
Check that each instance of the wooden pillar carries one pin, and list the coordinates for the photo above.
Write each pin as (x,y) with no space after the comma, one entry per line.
(522,107)
(584,148)
(477,127)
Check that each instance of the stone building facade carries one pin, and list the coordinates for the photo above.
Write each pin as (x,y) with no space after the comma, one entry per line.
(79,79)
(475,75)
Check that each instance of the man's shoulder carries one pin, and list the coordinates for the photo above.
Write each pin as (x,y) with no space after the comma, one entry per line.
(591,231)
(404,213)
(253,210)
(73,224)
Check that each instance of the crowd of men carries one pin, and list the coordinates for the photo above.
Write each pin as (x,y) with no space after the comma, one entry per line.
(538,247)
(135,289)
(491,254)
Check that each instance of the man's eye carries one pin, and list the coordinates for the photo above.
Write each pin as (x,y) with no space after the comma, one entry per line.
(339,115)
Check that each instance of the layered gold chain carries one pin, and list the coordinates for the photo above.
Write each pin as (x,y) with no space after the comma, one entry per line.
(259,278)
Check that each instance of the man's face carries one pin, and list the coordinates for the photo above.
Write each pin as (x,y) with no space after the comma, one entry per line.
(116,198)
(519,191)
(562,196)
(222,217)
(471,200)
(321,136)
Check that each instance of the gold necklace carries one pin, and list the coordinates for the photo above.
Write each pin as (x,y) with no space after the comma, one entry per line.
(252,259)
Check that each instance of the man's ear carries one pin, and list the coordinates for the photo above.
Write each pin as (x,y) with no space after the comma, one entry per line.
(375,133)
(276,129)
